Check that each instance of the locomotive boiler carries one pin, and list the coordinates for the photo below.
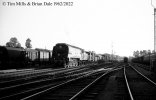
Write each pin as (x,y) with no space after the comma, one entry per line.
(65,55)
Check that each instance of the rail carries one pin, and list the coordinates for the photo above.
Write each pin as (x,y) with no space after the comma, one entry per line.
(92,83)
(128,87)
(143,75)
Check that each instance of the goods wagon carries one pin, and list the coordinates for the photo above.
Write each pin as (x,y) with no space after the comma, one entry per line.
(12,57)
(149,59)
(38,56)
(44,56)
(31,57)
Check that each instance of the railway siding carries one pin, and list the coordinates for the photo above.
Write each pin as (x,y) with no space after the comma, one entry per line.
(145,72)
(39,84)
(89,88)
(111,86)
(141,88)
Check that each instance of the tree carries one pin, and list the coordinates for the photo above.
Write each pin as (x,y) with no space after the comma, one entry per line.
(136,53)
(9,44)
(13,43)
(28,43)
(18,45)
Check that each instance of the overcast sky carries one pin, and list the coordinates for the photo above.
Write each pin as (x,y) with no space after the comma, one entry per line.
(94,25)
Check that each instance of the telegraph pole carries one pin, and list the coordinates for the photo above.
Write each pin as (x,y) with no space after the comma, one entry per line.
(154,29)
(153,62)
(153,3)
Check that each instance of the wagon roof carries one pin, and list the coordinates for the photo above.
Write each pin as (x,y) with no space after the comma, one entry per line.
(32,50)
(39,49)
(12,48)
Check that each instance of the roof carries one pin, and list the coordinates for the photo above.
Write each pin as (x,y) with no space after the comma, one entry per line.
(13,48)
(32,50)
(39,49)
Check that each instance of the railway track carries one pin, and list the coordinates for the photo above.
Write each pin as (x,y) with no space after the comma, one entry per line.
(40,75)
(37,76)
(30,87)
(146,67)
(74,89)
(28,72)
(140,87)
(124,84)
(21,90)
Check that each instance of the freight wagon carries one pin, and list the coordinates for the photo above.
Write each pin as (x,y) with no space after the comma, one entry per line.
(149,59)
(12,57)
(37,57)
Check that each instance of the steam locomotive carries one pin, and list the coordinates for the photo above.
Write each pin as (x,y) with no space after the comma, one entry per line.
(68,56)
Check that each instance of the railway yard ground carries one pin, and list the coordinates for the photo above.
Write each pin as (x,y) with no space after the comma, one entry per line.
(115,81)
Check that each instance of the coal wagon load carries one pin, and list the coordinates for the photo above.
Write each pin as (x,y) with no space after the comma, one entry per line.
(65,55)
(12,57)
